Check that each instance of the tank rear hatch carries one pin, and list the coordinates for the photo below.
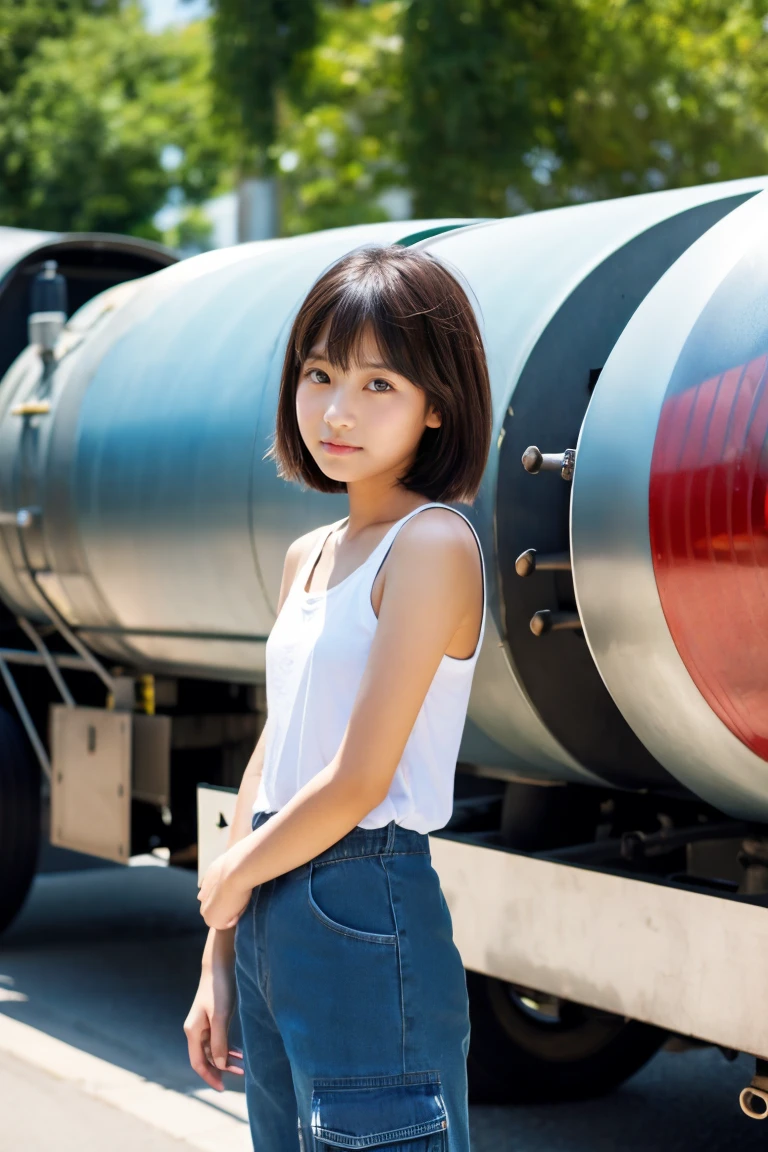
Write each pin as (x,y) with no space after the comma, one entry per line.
(90,262)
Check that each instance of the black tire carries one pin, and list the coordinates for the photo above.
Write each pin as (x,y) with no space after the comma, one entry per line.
(19,817)
(525,1047)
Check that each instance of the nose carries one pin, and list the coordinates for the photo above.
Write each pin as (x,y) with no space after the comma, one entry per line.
(338,413)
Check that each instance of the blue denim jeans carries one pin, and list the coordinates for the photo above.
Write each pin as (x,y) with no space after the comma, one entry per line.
(353,1002)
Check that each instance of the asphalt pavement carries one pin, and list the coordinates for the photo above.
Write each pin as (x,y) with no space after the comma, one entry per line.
(41,1112)
(97,975)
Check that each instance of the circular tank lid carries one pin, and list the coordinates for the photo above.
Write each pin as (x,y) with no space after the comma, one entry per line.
(670,517)
(708,502)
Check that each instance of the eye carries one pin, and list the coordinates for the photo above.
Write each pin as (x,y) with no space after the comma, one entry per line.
(313,373)
(387,386)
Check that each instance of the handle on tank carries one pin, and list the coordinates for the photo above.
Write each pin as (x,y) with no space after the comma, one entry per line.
(545,621)
(535,461)
(531,561)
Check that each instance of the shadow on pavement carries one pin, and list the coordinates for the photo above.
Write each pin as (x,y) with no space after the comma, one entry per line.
(108,960)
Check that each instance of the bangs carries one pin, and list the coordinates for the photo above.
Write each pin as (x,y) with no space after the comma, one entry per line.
(363,306)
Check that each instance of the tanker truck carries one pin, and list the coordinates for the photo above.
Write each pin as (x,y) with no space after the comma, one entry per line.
(606,861)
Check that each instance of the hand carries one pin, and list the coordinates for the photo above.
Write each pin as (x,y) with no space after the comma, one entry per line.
(207,1025)
(222,899)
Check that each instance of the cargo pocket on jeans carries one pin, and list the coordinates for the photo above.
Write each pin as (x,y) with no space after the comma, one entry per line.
(393,1113)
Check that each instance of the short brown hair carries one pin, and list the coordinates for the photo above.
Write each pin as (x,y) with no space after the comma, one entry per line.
(427,331)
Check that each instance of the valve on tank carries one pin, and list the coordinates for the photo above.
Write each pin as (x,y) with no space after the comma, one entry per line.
(48,308)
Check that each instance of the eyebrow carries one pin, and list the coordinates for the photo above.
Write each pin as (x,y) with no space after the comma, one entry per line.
(321,354)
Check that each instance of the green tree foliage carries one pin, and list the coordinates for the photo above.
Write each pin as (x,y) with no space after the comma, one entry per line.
(89,116)
(670,93)
(261,49)
(339,139)
(533,103)
(24,23)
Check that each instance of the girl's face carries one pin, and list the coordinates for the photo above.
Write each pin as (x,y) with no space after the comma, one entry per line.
(363,423)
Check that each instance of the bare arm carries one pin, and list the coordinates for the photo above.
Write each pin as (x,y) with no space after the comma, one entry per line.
(431,585)
(207,1024)
(249,787)
(220,944)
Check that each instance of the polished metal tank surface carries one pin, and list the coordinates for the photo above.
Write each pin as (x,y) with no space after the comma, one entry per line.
(161,529)
(153,536)
(674,452)
(554,291)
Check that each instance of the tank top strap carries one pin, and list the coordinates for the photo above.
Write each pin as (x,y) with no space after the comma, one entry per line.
(384,545)
(314,552)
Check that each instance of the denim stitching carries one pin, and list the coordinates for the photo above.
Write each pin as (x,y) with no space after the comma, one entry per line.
(374,850)
(436,1126)
(318,863)
(426,1128)
(268,982)
(353,1083)
(348,851)
(399,962)
(256,893)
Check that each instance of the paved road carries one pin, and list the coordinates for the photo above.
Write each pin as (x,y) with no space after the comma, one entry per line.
(41,1112)
(97,975)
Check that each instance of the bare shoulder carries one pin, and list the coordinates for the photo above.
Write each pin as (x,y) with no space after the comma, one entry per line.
(432,582)
(438,542)
(438,536)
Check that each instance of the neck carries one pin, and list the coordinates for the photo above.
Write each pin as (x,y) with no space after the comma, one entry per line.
(384,506)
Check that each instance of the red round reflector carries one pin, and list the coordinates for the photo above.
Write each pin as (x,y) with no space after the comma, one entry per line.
(709,538)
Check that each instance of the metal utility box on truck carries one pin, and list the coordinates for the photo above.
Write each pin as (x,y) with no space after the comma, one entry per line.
(612,787)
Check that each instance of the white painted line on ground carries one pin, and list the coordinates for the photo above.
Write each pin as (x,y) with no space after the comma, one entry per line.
(202,1120)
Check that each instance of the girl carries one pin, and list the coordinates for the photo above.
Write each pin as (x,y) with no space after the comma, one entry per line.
(352,995)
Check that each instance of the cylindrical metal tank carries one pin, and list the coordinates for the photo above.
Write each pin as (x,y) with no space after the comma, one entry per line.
(555,290)
(670,517)
(161,530)
(159,533)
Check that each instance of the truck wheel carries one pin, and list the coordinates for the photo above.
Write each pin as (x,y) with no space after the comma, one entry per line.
(19,817)
(526,1046)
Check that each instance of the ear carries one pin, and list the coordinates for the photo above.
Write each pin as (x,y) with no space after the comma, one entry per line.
(433,419)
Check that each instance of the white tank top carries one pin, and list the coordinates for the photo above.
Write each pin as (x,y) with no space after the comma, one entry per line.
(315,657)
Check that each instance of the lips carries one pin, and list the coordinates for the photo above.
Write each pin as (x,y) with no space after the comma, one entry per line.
(339,449)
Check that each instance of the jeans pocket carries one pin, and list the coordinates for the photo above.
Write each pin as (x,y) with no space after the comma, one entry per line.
(404,1113)
(352,897)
